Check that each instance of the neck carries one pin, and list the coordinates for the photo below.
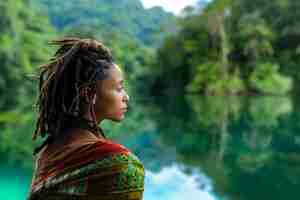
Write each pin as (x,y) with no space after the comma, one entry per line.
(88,116)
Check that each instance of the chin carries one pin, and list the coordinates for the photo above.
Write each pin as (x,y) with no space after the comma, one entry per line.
(117,119)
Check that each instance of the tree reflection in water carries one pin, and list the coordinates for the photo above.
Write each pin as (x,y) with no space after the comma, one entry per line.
(209,147)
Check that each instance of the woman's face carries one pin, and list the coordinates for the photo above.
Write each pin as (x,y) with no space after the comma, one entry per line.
(111,100)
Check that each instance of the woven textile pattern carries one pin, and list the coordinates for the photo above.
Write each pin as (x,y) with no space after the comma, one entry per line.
(98,171)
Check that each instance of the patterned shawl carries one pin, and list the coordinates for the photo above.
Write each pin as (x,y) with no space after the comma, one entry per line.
(98,170)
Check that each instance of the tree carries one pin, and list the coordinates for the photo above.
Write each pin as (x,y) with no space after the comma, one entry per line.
(23,38)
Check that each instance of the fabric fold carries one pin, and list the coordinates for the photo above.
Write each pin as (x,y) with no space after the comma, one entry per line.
(93,170)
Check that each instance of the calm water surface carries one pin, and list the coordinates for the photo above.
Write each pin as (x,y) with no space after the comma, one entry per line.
(205,148)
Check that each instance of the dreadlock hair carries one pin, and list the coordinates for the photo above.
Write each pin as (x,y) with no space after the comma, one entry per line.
(67,83)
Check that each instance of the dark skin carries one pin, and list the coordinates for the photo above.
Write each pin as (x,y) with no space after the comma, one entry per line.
(110,103)
(111,97)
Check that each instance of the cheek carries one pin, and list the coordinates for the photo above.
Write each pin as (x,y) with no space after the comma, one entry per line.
(116,99)
(111,103)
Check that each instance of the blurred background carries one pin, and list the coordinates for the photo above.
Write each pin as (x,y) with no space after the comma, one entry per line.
(214,84)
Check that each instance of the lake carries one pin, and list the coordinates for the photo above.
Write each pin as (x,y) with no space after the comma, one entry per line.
(200,148)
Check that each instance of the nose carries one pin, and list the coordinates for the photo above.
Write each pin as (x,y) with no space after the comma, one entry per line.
(126,97)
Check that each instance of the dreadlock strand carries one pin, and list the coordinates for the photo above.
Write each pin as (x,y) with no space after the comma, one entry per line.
(52,104)
(36,132)
(63,41)
(65,61)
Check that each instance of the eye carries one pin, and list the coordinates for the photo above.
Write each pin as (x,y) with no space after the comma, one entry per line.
(120,88)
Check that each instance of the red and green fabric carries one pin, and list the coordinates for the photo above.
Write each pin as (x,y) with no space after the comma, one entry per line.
(93,171)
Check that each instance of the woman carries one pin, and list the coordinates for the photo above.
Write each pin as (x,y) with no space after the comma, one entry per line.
(79,88)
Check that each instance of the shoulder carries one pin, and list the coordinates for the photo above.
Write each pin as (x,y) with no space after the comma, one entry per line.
(124,167)
(109,147)
(104,163)
(116,152)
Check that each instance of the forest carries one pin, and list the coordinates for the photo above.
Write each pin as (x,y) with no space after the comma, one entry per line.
(220,47)
(214,88)
(233,47)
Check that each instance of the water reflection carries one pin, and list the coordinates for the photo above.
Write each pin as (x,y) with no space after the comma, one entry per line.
(171,183)
(246,145)
(205,148)
(14,182)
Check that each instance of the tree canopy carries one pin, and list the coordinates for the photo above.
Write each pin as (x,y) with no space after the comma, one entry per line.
(233,47)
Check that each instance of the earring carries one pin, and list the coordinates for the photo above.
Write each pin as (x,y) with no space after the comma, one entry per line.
(94,99)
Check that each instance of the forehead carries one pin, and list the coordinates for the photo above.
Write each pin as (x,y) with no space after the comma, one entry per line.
(115,73)
(115,77)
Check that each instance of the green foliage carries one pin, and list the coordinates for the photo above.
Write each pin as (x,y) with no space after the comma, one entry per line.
(209,111)
(16,140)
(266,110)
(266,79)
(24,36)
(11,117)
(229,48)
(24,47)
(208,79)
(233,47)
(256,36)
(126,17)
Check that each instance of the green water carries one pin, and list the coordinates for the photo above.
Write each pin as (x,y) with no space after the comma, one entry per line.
(14,182)
(208,148)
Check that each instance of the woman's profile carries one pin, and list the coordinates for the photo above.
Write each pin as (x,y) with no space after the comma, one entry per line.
(79,88)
